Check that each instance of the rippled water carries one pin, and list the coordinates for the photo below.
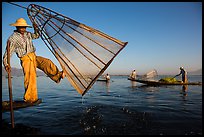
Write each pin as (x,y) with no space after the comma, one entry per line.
(119,107)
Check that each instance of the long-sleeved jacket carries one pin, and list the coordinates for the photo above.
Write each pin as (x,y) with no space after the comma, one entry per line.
(20,44)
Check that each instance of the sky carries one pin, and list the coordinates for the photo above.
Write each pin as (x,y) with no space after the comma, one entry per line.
(160,35)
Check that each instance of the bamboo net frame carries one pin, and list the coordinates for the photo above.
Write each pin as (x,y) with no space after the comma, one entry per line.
(84,53)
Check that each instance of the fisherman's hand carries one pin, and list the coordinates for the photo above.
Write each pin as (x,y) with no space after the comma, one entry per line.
(8,68)
(36,30)
(35,26)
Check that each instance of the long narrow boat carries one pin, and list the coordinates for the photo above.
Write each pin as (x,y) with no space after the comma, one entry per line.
(103,80)
(18,104)
(157,83)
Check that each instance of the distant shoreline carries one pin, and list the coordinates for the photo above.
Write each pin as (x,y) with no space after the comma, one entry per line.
(19,72)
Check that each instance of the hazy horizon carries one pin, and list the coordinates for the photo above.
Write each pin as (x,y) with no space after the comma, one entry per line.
(199,71)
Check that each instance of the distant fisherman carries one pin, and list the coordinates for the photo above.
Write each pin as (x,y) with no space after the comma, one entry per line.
(107,77)
(184,75)
(133,74)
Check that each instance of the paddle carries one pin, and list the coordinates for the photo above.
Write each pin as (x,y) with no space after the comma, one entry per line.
(10,85)
(174,76)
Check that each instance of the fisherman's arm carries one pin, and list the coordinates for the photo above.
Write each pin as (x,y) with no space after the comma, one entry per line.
(178,74)
(5,61)
(36,34)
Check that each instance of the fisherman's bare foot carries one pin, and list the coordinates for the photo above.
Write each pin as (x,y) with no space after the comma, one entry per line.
(63,74)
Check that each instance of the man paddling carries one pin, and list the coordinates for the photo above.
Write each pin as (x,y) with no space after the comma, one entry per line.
(184,75)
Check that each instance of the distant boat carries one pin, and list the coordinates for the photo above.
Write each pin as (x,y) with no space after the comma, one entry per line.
(103,80)
(157,83)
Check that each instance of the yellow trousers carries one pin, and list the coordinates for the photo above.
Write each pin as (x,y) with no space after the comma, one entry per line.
(29,64)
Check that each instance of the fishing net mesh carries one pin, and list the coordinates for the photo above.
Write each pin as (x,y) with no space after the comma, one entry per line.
(150,74)
(84,53)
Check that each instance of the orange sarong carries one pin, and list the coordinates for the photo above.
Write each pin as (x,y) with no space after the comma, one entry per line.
(28,64)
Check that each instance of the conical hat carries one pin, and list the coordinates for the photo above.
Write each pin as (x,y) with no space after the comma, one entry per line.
(21,22)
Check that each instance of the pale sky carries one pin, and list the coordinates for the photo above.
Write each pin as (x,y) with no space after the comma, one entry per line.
(160,35)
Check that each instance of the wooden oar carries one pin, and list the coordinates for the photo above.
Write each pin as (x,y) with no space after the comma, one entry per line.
(10,85)
(174,77)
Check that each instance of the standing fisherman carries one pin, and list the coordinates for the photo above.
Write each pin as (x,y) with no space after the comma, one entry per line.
(20,42)
(183,74)
(107,77)
(133,74)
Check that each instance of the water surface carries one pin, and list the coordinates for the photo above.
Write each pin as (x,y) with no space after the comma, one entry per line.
(120,107)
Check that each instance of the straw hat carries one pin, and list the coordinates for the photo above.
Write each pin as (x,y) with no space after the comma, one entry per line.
(21,22)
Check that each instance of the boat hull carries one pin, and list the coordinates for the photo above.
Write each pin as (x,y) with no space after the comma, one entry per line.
(157,83)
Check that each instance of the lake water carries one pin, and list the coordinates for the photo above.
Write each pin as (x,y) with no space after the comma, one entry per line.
(120,107)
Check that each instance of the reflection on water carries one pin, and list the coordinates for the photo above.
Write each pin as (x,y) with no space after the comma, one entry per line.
(108,86)
(134,84)
(184,90)
(119,107)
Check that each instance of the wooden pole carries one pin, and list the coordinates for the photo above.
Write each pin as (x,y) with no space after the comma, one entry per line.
(10,86)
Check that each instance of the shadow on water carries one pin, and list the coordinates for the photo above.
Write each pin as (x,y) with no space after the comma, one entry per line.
(19,129)
(184,90)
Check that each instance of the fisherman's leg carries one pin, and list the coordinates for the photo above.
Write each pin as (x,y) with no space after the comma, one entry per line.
(28,64)
(49,68)
(184,79)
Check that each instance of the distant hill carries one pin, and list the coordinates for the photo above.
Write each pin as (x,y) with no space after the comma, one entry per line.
(197,72)
(19,72)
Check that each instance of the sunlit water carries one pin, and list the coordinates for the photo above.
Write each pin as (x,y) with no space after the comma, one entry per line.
(119,107)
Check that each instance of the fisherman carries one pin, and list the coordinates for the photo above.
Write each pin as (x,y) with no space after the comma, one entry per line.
(20,42)
(107,77)
(184,75)
(133,74)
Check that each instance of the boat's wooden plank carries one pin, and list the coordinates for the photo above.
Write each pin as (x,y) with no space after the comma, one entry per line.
(18,104)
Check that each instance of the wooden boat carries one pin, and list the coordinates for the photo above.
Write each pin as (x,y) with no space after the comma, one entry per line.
(18,104)
(103,80)
(157,83)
